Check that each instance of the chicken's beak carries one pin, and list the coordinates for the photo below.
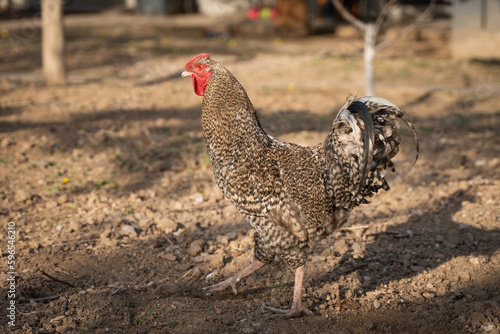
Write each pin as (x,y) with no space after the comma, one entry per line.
(187,74)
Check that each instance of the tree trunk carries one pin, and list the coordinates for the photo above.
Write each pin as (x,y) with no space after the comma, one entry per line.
(53,42)
(369,58)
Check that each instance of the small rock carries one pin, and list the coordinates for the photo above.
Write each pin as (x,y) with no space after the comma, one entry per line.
(448,244)
(128,230)
(196,272)
(59,227)
(488,327)
(474,261)
(357,247)
(248,330)
(464,277)
(417,269)
(62,199)
(341,246)
(51,205)
(6,142)
(195,248)
(22,195)
(441,290)
(376,304)
(20,157)
(224,240)
(369,324)
(495,309)
(61,329)
(229,210)
(42,163)
(476,319)
(428,295)
(168,256)
(157,166)
(167,225)
(217,261)
(372,295)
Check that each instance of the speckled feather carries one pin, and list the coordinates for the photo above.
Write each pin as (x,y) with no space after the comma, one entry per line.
(291,194)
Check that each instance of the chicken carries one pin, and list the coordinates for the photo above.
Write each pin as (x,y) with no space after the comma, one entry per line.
(290,194)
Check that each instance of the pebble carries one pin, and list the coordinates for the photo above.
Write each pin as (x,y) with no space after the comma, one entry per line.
(22,195)
(341,246)
(448,244)
(372,295)
(229,210)
(62,199)
(61,329)
(488,327)
(51,204)
(217,261)
(196,272)
(167,225)
(476,319)
(428,295)
(128,230)
(195,248)
(376,304)
(357,247)
(224,240)
(369,324)
(6,142)
(417,269)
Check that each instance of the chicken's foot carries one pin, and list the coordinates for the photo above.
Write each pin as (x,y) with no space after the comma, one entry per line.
(297,307)
(231,281)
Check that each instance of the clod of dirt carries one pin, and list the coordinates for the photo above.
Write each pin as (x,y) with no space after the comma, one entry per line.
(22,195)
(195,248)
(217,261)
(128,230)
(167,225)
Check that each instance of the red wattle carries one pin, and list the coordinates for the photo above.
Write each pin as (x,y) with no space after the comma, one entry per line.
(199,84)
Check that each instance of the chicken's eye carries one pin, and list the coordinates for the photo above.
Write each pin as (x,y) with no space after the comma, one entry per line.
(200,67)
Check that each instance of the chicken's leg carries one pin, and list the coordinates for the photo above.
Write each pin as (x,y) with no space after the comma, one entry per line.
(297,307)
(231,281)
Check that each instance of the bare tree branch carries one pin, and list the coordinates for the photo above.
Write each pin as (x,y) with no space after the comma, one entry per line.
(348,16)
(383,14)
(421,18)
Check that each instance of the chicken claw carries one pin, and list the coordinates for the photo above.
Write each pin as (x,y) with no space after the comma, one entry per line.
(231,281)
(292,313)
(221,286)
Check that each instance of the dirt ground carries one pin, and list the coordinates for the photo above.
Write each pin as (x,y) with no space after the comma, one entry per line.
(119,224)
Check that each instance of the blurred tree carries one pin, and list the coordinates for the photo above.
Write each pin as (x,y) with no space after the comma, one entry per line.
(53,42)
(371,29)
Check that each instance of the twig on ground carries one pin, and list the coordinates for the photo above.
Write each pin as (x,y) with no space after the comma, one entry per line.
(187,273)
(42,299)
(57,279)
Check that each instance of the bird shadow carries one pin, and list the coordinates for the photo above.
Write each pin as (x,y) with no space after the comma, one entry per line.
(424,242)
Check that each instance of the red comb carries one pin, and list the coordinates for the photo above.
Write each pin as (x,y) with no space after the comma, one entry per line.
(197,58)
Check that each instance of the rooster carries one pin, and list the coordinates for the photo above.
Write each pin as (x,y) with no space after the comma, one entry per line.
(290,194)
